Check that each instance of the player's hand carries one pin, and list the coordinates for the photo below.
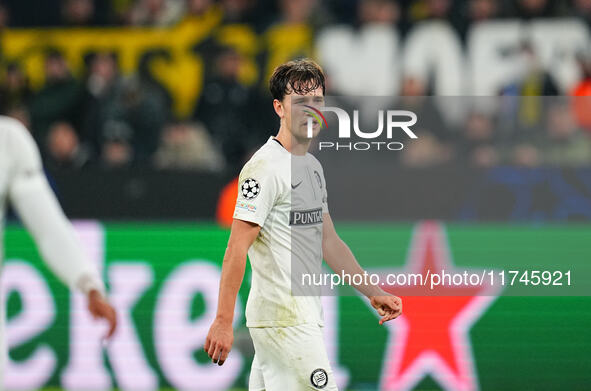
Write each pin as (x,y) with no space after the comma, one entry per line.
(389,307)
(219,341)
(101,309)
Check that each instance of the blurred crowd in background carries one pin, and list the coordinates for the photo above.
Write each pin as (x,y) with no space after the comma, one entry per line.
(102,117)
(263,13)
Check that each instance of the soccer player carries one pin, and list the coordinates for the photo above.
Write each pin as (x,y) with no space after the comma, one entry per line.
(23,182)
(273,202)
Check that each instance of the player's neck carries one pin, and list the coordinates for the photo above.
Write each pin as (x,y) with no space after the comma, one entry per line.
(291,143)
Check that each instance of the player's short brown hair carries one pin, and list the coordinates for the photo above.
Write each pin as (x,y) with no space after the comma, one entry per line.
(298,76)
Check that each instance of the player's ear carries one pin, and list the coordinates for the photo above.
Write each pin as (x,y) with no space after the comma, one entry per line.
(278,106)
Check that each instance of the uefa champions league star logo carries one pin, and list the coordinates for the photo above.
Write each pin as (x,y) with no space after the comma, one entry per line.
(250,189)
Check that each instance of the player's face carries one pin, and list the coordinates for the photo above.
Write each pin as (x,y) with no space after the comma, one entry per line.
(299,110)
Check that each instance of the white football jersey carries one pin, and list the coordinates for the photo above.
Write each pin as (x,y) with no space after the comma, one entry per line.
(23,183)
(18,157)
(286,196)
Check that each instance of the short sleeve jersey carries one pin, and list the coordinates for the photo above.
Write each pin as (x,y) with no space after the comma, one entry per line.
(286,196)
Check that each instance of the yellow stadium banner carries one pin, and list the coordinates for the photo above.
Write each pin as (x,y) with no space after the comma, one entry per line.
(179,67)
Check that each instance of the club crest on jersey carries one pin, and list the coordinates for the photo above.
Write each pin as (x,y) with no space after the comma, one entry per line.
(250,189)
(319,378)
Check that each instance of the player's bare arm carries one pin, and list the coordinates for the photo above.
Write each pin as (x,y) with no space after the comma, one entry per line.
(221,335)
(340,258)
